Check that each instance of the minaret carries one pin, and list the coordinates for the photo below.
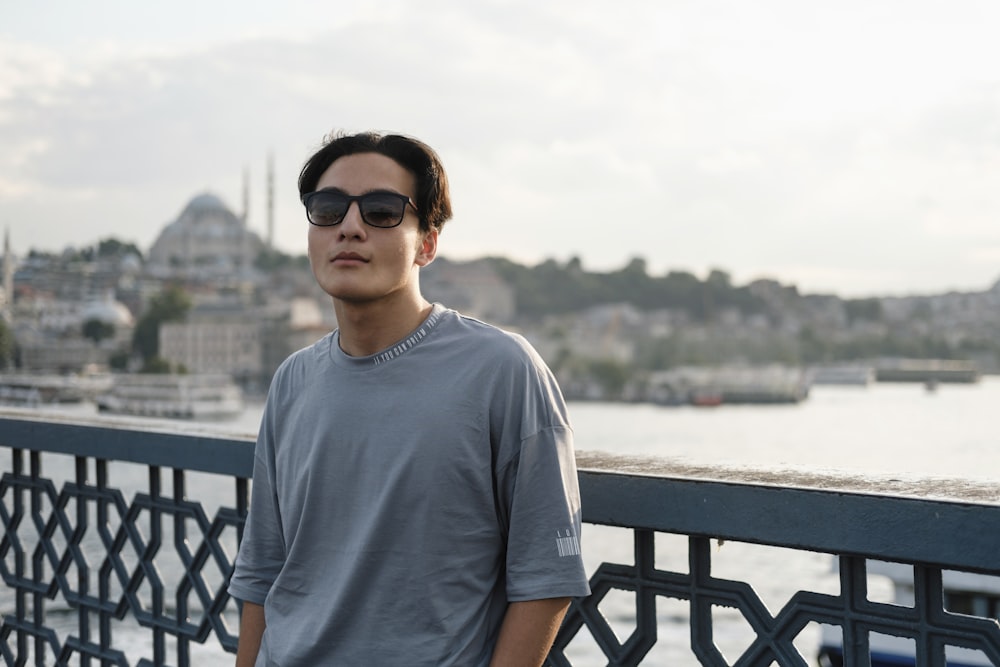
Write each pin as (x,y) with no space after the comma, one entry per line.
(246,195)
(8,274)
(270,201)
(245,259)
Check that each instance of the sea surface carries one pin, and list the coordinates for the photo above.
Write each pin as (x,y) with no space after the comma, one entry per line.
(902,431)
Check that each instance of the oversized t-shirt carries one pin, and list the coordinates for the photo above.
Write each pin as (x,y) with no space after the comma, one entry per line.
(401,500)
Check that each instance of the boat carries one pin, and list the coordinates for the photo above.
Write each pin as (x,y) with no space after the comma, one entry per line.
(173,396)
(21,396)
(706,397)
(728,385)
(927,370)
(964,593)
(33,390)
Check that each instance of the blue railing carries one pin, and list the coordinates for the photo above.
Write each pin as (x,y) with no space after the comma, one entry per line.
(104,564)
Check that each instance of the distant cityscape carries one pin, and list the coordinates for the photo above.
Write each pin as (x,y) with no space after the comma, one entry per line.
(211,297)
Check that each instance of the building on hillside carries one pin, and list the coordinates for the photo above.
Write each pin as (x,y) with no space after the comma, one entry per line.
(70,277)
(246,343)
(216,338)
(52,336)
(473,288)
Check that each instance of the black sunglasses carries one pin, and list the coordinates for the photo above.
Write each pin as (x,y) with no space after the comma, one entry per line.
(383,209)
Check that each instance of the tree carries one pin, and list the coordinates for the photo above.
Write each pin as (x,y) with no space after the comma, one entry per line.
(161,365)
(611,375)
(550,288)
(6,345)
(112,247)
(119,360)
(719,279)
(156,364)
(863,309)
(273,260)
(97,330)
(170,305)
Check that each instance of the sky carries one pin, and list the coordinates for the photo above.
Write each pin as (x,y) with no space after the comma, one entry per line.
(848,147)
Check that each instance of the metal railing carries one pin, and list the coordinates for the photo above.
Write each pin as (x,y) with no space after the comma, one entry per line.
(87,567)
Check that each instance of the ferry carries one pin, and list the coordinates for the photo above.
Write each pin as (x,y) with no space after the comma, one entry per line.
(964,593)
(33,390)
(712,386)
(173,396)
(927,370)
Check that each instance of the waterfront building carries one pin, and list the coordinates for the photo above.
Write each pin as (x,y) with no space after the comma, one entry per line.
(50,332)
(474,288)
(216,338)
(246,342)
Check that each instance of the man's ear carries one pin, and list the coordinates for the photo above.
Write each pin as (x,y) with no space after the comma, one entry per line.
(427,250)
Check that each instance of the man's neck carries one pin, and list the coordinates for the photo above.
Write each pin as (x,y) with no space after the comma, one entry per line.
(368,327)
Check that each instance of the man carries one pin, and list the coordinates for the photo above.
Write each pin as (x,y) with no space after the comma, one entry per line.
(415,499)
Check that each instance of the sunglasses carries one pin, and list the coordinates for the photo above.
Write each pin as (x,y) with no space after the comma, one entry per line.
(383,209)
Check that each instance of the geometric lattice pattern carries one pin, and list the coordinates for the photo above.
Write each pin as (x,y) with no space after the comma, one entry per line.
(927,623)
(85,550)
(160,561)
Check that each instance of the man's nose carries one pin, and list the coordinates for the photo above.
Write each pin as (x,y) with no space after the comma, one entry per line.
(353,224)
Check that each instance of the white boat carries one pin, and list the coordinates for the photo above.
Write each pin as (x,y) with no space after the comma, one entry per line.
(964,593)
(36,389)
(711,386)
(173,396)
(21,396)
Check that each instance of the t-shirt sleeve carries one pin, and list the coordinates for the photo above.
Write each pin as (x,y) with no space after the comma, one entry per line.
(540,489)
(262,550)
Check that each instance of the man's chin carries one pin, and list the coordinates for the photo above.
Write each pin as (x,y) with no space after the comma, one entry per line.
(346,291)
(351,296)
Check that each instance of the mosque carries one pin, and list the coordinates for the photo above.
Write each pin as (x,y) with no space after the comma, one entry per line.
(208,245)
(209,242)
(206,242)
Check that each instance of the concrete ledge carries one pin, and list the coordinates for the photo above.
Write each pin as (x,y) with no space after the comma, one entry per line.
(948,489)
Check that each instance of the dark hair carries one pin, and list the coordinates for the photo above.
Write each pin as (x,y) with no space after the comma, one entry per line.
(432,198)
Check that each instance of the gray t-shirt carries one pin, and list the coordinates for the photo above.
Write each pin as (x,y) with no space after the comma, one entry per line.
(401,500)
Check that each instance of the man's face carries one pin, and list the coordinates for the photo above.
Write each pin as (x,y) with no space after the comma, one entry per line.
(357,263)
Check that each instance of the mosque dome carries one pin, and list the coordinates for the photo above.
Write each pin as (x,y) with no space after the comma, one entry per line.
(108,311)
(207,238)
(206,202)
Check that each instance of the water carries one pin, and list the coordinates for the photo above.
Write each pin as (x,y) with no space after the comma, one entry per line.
(899,431)
(895,430)
(886,430)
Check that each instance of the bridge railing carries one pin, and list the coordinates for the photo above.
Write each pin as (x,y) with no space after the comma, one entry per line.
(117,542)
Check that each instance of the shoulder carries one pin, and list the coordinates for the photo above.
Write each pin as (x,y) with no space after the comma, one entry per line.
(515,370)
(299,366)
(461,332)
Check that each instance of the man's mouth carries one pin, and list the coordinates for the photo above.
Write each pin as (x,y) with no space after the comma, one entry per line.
(349,257)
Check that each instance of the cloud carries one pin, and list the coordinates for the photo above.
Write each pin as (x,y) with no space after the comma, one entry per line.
(763,138)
